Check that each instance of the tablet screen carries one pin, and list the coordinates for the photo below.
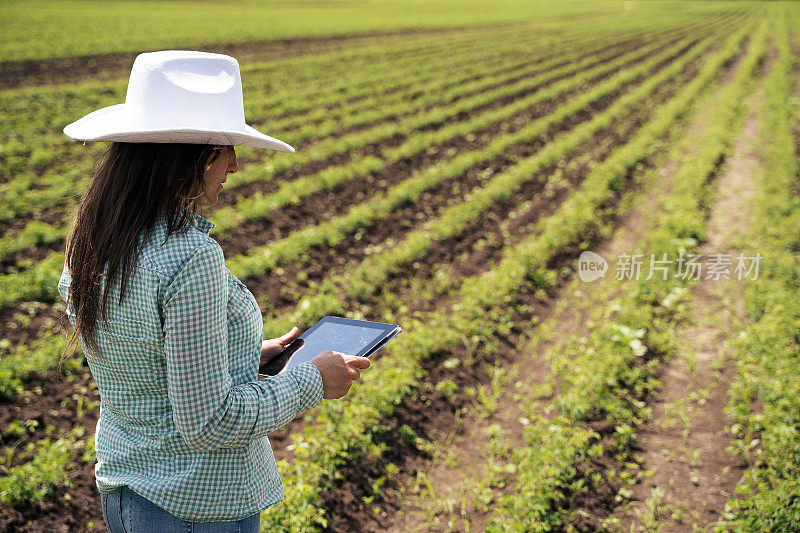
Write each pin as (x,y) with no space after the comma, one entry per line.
(344,338)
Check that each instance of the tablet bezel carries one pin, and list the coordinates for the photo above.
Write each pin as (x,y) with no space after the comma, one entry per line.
(385,330)
(389,331)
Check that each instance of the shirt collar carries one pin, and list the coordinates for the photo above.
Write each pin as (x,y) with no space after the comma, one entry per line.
(201,223)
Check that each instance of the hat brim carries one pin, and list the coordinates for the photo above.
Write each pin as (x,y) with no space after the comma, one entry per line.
(114,123)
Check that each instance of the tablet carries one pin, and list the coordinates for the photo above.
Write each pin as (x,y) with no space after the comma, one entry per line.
(345,335)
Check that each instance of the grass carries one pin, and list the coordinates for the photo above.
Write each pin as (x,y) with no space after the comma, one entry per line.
(43,29)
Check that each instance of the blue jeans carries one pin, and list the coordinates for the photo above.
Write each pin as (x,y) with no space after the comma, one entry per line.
(126,512)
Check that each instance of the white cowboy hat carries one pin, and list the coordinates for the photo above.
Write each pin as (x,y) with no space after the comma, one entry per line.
(178,96)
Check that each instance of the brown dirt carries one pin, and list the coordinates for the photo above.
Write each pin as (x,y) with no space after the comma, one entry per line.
(566,317)
(443,253)
(66,510)
(109,66)
(80,501)
(463,436)
(685,444)
(350,251)
(49,401)
(473,262)
(297,214)
(324,204)
(566,311)
(42,317)
(266,187)
(35,254)
(544,197)
(280,290)
(570,317)
(531,69)
(451,252)
(345,503)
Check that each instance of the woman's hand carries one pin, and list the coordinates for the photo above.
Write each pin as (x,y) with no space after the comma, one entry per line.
(338,372)
(272,347)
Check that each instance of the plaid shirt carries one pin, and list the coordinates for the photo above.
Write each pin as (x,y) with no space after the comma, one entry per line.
(183,421)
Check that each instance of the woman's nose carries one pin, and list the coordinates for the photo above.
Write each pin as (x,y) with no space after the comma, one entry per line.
(233,165)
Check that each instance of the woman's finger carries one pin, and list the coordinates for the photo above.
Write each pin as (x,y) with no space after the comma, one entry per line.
(288,337)
(357,362)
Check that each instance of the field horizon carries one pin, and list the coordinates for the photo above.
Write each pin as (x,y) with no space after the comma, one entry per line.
(583,214)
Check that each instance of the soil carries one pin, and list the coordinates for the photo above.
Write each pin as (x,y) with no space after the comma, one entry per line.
(685,444)
(447,481)
(563,312)
(446,253)
(322,205)
(281,290)
(570,316)
(447,427)
(108,66)
(298,215)
(50,401)
(428,413)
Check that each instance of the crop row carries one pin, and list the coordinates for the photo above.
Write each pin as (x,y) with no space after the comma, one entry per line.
(47,197)
(37,233)
(391,77)
(55,187)
(481,79)
(32,480)
(28,34)
(347,144)
(392,86)
(259,206)
(336,79)
(19,362)
(765,396)
(323,447)
(343,69)
(306,81)
(61,185)
(395,268)
(609,376)
(263,260)
(25,284)
(273,86)
(51,147)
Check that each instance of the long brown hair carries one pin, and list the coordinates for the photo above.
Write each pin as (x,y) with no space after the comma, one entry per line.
(133,185)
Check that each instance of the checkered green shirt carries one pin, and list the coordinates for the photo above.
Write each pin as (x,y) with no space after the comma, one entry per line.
(183,421)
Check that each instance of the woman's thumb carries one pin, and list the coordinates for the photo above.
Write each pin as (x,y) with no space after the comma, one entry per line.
(289,335)
(357,362)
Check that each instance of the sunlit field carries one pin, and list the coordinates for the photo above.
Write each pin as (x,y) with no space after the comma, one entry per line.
(584,215)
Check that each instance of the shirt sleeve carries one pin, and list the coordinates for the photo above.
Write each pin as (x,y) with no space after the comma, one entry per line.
(208,410)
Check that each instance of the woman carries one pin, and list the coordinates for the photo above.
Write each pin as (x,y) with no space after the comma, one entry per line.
(172,338)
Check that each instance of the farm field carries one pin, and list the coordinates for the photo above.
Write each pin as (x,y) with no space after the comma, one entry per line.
(463,174)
